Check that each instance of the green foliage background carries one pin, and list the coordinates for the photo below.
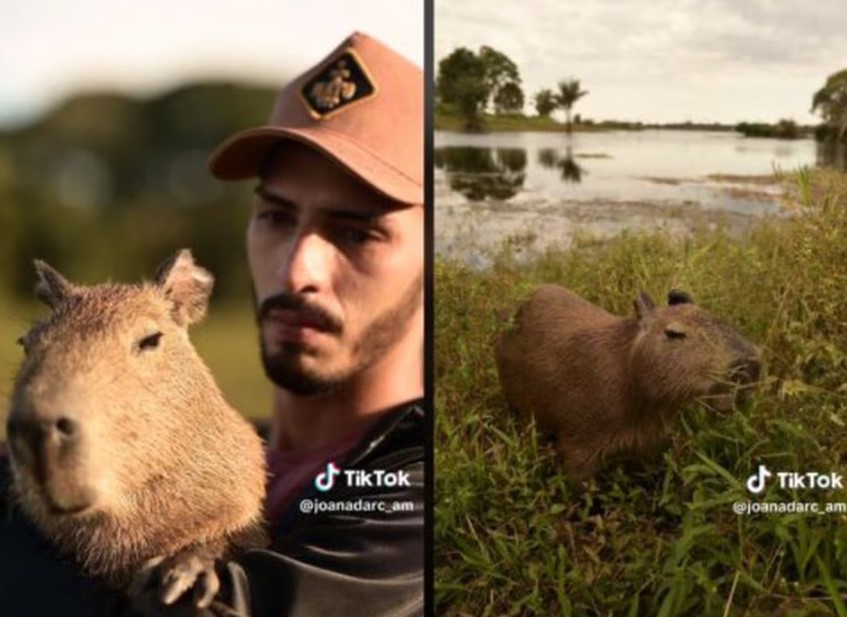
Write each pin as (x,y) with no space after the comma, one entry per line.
(107,186)
(513,538)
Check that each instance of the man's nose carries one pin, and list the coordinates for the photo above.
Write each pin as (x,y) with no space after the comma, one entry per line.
(305,267)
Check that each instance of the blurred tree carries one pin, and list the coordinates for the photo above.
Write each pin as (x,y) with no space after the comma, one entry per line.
(499,68)
(787,129)
(463,83)
(509,98)
(831,102)
(569,93)
(784,129)
(503,79)
(107,186)
(9,219)
(545,102)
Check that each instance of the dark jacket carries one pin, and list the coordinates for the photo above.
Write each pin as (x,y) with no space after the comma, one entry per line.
(352,562)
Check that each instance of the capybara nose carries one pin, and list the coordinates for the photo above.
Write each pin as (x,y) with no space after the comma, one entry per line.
(746,371)
(41,437)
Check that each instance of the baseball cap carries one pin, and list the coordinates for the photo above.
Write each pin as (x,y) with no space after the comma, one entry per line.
(362,106)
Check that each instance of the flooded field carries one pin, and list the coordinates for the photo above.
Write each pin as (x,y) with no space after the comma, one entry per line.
(543,188)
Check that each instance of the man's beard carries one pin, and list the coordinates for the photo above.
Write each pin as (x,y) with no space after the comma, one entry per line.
(285,369)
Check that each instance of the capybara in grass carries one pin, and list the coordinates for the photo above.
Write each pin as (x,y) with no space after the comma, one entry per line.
(605,385)
(124,453)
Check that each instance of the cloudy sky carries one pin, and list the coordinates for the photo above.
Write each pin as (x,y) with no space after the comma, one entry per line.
(52,48)
(663,60)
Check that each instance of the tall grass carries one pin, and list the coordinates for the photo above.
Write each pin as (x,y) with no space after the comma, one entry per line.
(513,538)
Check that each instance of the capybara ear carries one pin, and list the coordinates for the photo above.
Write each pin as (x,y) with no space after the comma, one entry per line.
(186,285)
(677,296)
(52,288)
(644,307)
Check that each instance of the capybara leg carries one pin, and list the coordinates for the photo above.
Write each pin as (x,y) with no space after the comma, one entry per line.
(581,462)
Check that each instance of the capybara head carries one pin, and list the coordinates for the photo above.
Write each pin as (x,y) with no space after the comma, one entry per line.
(682,352)
(122,446)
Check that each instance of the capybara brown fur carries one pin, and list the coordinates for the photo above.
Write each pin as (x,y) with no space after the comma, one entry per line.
(124,453)
(607,386)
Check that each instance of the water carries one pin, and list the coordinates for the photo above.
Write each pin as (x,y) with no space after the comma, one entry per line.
(545,188)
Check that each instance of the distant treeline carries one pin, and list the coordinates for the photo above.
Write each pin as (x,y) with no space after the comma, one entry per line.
(481,90)
(106,186)
(784,129)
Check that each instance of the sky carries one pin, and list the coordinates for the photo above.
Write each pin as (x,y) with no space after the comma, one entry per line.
(51,49)
(663,60)
(648,60)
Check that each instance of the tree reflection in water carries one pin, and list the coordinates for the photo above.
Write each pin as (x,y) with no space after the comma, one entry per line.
(483,173)
(550,158)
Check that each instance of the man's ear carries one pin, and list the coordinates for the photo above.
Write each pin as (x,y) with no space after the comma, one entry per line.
(186,285)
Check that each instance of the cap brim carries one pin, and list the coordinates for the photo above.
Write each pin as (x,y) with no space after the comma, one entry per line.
(242,156)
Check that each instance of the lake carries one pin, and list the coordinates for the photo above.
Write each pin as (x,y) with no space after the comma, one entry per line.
(546,188)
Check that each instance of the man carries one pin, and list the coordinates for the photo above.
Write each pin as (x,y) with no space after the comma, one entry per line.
(335,247)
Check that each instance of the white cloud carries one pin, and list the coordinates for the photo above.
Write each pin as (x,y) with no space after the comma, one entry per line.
(664,60)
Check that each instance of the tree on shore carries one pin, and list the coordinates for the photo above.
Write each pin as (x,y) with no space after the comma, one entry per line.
(503,79)
(831,101)
(784,129)
(569,93)
(463,84)
(545,102)
(509,98)
(471,82)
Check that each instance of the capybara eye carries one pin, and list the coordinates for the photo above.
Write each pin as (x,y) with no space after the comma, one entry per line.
(22,342)
(674,331)
(150,341)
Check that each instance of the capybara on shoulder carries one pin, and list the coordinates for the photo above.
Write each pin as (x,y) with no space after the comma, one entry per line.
(124,453)
(608,385)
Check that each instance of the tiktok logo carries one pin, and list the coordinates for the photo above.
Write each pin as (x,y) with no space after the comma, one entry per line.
(325,480)
(756,482)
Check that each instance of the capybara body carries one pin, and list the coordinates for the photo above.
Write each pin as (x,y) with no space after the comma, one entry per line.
(607,385)
(123,449)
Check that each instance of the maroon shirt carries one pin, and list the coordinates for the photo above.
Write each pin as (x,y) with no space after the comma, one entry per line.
(291,471)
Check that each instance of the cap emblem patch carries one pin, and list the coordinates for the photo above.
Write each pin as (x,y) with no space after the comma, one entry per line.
(342,82)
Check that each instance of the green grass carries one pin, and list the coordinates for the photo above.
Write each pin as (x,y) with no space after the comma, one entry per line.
(14,317)
(513,538)
(226,340)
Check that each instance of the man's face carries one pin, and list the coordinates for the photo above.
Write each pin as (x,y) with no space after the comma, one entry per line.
(337,272)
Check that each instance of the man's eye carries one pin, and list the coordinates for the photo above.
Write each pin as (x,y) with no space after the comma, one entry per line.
(353,235)
(275,217)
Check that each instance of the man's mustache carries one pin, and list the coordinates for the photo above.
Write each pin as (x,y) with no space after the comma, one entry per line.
(321,317)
